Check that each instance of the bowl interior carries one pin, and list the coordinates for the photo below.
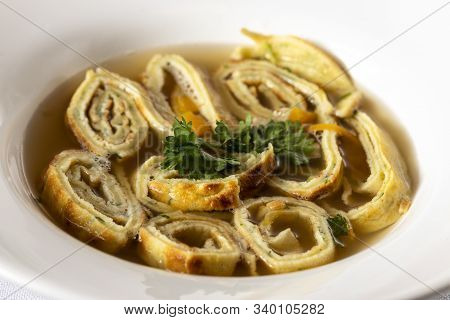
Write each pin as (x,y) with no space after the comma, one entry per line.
(30,244)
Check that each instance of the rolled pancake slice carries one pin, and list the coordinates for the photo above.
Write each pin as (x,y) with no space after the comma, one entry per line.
(165,191)
(388,181)
(195,244)
(95,205)
(104,114)
(260,89)
(236,81)
(286,234)
(179,89)
(308,61)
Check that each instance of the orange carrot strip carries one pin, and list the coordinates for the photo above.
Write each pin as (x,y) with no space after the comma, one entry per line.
(301,115)
(332,127)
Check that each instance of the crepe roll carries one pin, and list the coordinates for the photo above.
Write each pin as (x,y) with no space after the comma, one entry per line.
(195,244)
(179,89)
(165,190)
(388,184)
(286,234)
(104,114)
(308,61)
(293,96)
(95,203)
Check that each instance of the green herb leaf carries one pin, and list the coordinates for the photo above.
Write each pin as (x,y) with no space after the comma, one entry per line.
(193,157)
(196,158)
(291,144)
(339,227)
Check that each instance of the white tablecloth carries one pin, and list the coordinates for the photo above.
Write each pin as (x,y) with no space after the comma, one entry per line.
(10,290)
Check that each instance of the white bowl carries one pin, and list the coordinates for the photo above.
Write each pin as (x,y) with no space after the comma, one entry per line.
(46,44)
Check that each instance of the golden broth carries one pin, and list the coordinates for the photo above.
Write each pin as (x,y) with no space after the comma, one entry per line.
(47,134)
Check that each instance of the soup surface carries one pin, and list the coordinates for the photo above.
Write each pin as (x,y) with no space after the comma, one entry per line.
(47,135)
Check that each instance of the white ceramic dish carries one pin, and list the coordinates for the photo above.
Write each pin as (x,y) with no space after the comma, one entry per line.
(407,75)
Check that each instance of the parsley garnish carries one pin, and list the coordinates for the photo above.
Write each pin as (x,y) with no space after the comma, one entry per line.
(339,227)
(290,142)
(197,158)
(193,157)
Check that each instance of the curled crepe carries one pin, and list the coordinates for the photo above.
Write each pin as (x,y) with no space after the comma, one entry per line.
(306,60)
(260,89)
(104,114)
(285,234)
(388,182)
(237,79)
(95,205)
(164,191)
(194,244)
(191,96)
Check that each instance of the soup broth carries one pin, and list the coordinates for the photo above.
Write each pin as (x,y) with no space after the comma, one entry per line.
(47,134)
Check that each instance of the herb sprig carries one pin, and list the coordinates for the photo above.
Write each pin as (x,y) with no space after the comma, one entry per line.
(291,144)
(192,156)
(198,158)
(339,227)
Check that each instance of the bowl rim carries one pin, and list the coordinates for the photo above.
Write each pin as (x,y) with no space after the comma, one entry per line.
(20,267)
